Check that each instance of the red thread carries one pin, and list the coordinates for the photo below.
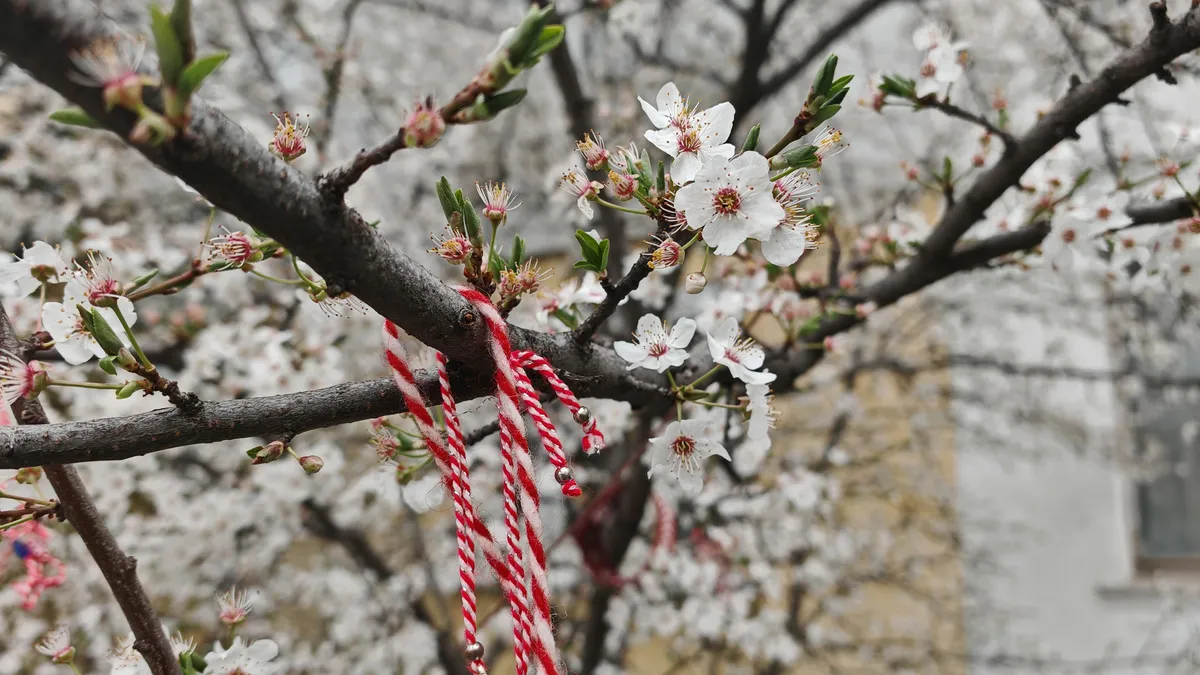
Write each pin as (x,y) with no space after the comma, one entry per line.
(533,634)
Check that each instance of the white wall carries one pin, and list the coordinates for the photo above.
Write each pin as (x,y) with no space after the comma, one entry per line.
(1047,503)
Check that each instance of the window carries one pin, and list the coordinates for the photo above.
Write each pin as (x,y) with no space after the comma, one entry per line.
(1165,422)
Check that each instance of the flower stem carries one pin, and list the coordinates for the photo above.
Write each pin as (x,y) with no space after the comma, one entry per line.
(714,404)
(691,241)
(309,283)
(18,521)
(705,376)
(74,667)
(268,277)
(41,302)
(19,498)
(132,339)
(84,385)
(618,207)
(212,214)
(671,379)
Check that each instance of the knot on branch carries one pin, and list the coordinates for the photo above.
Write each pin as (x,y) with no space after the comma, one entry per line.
(1161,22)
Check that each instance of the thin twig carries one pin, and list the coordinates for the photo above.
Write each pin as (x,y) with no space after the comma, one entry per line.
(119,570)
(1010,142)
(259,56)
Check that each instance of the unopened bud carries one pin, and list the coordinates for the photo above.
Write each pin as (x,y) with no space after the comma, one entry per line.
(865,309)
(830,344)
(425,126)
(126,360)
(311,463)
(29,475)
(128,390)
(694,283)
(264,454)
(105,336)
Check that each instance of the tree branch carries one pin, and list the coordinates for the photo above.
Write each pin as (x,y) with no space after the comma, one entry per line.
(1141,61)
(119,570)
(816,49)
(954,111)
(1167,211)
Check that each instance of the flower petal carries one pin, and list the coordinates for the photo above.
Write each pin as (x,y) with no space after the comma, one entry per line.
(656,118)
(685,167)
(682,332)
(633,353)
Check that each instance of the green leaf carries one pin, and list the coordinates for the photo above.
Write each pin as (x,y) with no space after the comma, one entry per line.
(75,117)
(751,141)
(837,97)
(527,35)
(896,85)
(86,316)
(590,247)
(662,178)
(547,40)
(568,320)
(1082,178)
(170,50)
(498,103)
(106,364)
(471,221)
(374,224)
(947,169)
(104,334)
(143,280)
(518,250)
(496,265)
(602,264)
(181,21)
(446,197)
(193,76)
(128,390)
(824,79)
(822,116)
(840,84)
(585,265)
(802,157)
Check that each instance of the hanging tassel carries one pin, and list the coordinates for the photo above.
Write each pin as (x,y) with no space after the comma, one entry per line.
(533,634)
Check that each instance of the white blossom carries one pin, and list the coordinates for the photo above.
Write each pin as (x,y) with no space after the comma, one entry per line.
(243,659)
(762,415)
(793,234)
(681,449)
(731,201)
(692,137)
(63,322)
(38,263)
(742,357)
(653,347)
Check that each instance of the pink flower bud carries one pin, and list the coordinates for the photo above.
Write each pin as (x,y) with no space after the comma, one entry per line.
(865,309)
(311,464)
(425,126)
(830,344)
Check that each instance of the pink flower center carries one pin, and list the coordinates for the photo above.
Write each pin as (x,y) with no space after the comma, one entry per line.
(689,140)
(1068,235)
(683,446)
(658,349)
(732,355)
(727,201)
(928,69)
(101,288)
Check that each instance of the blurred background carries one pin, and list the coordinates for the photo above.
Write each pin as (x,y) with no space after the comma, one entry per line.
(998,475)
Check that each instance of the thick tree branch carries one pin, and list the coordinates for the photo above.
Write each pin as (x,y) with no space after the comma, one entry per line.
(1161,47)
(235,172)
(119,570)
(1166,211)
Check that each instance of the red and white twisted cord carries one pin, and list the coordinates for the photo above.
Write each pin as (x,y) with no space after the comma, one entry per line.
(593,440)
(455,476)
(515,450)
(533,632)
